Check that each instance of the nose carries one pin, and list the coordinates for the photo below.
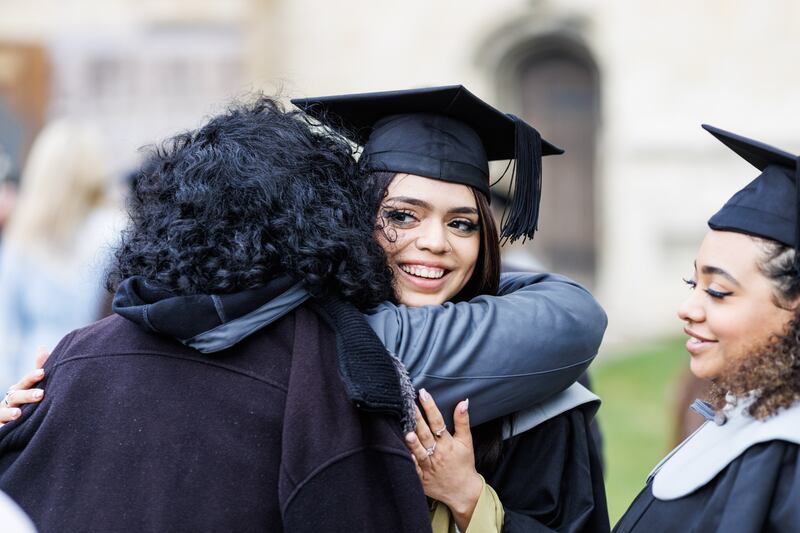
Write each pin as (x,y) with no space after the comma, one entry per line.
(692,310)
(433,238)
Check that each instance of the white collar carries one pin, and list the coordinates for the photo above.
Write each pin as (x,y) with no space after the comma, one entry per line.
(711,448)
(575,395)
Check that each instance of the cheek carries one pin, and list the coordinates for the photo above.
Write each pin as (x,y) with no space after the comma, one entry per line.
(733,330)
(752,326)
(468,251)
(391,240)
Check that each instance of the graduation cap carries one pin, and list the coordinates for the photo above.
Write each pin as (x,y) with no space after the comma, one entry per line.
(768,206)
(445,133)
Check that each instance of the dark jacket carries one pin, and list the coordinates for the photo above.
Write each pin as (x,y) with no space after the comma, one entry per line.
(138,432)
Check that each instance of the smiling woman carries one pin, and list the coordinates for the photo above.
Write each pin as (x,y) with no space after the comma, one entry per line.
(734,307)
(739,471)
(425,163)
(432,237)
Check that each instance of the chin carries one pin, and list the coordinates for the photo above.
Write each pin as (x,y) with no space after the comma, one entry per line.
(704,368)
(418,300)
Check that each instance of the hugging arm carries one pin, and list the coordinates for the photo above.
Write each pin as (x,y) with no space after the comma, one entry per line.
(505,352)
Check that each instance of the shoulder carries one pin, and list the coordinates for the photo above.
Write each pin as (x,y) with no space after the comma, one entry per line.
(104,336)
(710,450)
(117,343)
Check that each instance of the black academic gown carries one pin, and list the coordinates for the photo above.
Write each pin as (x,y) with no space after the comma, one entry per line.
(759,491)
(549,478)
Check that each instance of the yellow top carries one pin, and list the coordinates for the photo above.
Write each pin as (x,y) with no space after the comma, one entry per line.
(487,517)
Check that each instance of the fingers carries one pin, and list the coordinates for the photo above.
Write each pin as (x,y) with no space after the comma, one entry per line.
(7,414)
(423,431)
(41,356)
(29,380)
(416,466)
(20,397)
(432,413)
(417,449)
(9,405)
(461,423)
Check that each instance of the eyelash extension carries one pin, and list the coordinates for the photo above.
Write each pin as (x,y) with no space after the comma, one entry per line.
(470,225)
(390,213)
(717,294)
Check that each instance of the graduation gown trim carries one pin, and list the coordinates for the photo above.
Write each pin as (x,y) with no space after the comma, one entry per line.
(574,396)
(707,452)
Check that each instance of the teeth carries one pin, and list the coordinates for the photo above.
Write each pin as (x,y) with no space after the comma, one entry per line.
(694,340)
(423,272)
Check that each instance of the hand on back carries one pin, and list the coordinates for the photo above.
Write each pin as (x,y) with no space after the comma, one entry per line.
(23,392)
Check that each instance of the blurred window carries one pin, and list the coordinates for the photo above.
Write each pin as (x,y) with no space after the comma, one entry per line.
(559,93)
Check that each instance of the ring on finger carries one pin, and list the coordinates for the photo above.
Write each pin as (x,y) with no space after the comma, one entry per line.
(439,432)
(430,450)
(4,401)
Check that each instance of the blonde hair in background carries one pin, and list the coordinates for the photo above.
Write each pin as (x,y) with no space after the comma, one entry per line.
(66,177)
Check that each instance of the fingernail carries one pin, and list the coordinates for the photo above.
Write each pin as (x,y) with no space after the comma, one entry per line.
(37,393)
(424,396)
(410,438)
(15,413)
(40,372)
(464,406)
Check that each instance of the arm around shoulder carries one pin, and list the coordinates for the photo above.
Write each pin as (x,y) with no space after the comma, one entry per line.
(504,352)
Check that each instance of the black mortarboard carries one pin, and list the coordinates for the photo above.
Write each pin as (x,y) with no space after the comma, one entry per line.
(768,206)
(444,133)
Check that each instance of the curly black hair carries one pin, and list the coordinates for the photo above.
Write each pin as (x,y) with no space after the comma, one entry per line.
(255,193)
(770,371)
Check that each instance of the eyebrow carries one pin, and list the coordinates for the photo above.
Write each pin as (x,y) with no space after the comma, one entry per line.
(425,205)
(711,270)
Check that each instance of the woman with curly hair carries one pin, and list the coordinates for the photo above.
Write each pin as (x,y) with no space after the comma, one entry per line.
(168,416)
(741,470)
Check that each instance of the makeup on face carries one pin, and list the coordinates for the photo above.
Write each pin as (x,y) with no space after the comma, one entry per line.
(731,307)
(431,234)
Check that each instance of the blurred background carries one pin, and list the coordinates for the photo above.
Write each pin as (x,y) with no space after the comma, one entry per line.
(623,85)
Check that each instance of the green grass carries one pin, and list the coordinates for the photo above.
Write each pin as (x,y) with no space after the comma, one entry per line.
(638,390)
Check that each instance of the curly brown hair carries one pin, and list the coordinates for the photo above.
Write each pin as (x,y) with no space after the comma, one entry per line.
(771,371)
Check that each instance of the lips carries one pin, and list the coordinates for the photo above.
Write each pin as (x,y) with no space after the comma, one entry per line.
(423,271)
(697,343)
(428,277)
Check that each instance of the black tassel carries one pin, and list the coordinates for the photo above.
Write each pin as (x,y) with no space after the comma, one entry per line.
(521,217)
(797,222)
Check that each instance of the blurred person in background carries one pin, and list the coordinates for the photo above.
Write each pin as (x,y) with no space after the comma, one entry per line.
(56,245)
(740,471)
(8,189)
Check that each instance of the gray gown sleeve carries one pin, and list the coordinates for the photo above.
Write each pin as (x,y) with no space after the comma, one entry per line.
(505,352)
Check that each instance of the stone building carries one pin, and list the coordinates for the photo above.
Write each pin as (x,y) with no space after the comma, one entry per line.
(623,85)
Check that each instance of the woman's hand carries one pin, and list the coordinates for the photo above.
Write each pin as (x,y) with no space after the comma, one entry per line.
(446,463)
(23,392)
